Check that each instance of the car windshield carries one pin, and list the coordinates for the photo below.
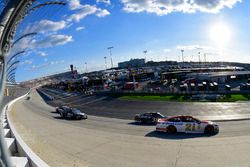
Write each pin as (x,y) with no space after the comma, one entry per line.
(125,83)
(160,115)
(76,111)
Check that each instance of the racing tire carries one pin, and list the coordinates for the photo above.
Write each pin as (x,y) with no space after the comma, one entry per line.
(155,120)
(143,121)
(209,129)
(64,116)
(171,129)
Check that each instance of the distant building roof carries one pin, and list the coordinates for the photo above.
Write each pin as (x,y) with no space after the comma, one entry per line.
(228,73)
(220,74)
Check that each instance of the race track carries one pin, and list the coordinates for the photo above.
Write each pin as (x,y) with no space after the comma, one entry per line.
(102,141)
(104,106)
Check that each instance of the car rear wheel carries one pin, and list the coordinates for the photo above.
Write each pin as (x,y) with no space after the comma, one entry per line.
(209,129)
(171,129)
(143,121)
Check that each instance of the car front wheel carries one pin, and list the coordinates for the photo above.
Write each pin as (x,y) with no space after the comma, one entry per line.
(209,129)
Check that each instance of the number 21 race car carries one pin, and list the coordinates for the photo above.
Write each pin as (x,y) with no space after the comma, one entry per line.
(186,124)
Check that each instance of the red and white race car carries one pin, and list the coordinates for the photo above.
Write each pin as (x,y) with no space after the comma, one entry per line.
(186,124)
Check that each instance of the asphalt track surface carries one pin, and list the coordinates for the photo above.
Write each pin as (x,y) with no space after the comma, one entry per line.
(100,141)
(104,106)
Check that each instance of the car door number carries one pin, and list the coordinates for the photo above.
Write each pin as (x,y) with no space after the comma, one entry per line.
(190,127)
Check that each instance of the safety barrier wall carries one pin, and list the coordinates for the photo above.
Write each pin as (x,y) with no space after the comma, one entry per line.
(20,152)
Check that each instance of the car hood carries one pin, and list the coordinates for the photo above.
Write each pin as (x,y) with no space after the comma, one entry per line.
(79,113)
(209,122)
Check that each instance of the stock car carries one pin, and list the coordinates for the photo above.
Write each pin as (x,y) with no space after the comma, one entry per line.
(148,118)
(186,124)
(71,113)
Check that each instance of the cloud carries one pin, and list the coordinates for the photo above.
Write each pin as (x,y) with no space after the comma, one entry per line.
(166,50)
(51,40)
(40,53)
(81,11)
(74,4)
(81,14)
(35,67)
(164,7)
(193,47)
(46,64)
(80,28)
(57,62)
(30,61)
(108,2)
(45,41)
(45,26)
(102,13)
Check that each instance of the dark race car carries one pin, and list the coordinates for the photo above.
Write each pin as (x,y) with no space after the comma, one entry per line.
(148,118)
(70,113)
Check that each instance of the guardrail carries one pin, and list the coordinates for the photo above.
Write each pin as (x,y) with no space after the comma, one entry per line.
(21,154)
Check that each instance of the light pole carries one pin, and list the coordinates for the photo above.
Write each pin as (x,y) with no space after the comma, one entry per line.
(199,53)
(205,58)
(105,59)
(86,67)
(110,53)
(111,60)
(145,53)
(199,56)
(182,54)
